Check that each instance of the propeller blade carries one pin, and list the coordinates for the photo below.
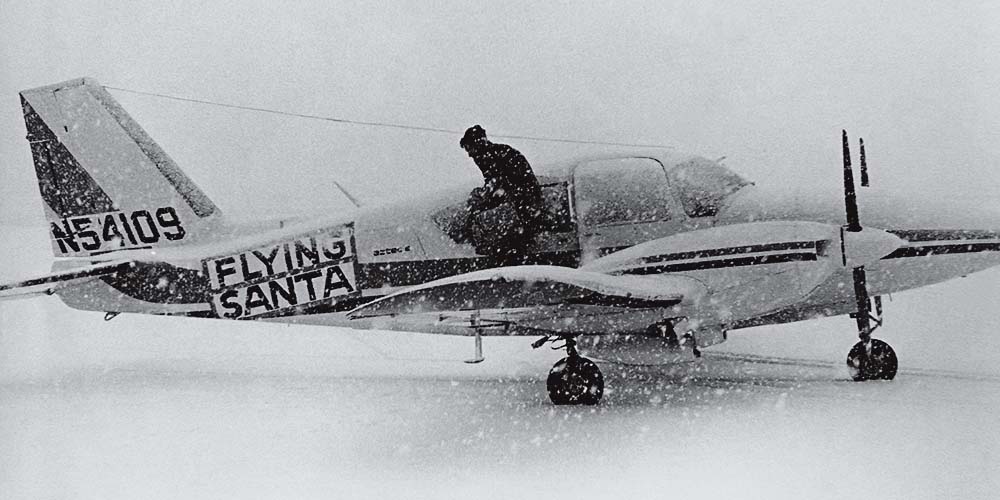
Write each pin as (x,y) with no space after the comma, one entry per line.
(850,198)
(854,226)
(864,164)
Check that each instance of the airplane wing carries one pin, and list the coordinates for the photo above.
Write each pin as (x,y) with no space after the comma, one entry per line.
(528,299)
(713,276)
(50,283)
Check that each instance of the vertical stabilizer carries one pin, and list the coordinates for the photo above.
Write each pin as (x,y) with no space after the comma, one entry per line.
(106,185)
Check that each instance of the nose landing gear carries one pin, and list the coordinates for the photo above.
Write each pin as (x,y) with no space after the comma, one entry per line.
(875,361)
(869,359)
(573,380)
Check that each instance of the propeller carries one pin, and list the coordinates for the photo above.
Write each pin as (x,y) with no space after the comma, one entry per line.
(863,314)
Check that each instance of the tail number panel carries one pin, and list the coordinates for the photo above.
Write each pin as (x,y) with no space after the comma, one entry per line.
(109,231)
(281,278)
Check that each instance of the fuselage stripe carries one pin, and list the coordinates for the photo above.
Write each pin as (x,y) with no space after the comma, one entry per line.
(943,249)
(925,235)
(723,263)
(718,252)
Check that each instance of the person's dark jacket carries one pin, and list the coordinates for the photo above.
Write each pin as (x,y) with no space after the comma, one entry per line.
(508,178)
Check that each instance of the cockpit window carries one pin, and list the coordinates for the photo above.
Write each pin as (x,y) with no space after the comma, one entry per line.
(622,191)
(703,186)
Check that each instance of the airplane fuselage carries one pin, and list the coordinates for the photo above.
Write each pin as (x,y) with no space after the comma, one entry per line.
(597,207)
(408,243)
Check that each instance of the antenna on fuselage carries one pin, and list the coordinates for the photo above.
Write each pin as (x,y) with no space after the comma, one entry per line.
(354,200)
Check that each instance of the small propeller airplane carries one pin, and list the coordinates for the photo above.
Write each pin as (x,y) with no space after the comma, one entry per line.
(643,258)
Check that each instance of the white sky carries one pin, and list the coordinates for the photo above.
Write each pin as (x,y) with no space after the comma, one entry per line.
(768,85)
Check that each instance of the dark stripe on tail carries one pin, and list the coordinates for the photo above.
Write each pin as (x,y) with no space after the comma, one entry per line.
(160,283)
(66,187)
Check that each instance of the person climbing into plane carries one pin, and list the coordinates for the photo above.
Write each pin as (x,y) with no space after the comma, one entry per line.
(508,178)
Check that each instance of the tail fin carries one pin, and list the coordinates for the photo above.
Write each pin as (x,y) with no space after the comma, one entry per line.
(106,185)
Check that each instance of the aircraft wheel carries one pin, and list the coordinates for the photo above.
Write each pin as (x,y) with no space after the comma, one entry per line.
(575,380)
(881,364)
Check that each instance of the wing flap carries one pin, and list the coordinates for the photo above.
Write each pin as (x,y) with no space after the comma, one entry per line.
(49,283)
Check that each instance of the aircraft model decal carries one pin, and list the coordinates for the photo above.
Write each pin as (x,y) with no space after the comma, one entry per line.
(131,233)
(391,251)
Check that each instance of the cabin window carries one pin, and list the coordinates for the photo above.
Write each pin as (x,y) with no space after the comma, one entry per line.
(622,191)
(704,185)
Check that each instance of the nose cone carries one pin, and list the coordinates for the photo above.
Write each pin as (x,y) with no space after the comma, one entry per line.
(878,209)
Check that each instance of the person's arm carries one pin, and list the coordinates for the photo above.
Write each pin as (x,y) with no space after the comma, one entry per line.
(492,195)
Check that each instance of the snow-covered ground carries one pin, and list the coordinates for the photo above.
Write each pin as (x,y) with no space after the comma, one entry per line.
(151,407)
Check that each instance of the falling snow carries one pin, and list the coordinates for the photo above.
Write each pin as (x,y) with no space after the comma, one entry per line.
(154,407)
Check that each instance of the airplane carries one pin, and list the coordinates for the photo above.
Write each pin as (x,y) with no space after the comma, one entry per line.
(643,257)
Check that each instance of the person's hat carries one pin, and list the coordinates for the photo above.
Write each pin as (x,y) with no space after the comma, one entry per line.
(474,134)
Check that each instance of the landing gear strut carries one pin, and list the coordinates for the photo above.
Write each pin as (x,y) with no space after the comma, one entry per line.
(574,380)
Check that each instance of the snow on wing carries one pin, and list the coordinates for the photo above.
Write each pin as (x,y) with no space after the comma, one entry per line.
(518,287)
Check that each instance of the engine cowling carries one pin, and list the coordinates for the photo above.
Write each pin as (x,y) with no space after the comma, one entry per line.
(753,268)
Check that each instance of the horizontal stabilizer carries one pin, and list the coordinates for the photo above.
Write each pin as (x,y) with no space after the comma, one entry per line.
(52,282)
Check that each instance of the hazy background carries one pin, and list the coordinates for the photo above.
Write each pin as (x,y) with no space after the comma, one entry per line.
(157,407)
(768,85)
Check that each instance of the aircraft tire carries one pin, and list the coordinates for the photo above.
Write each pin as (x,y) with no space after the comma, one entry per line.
(575,380)
(881,364)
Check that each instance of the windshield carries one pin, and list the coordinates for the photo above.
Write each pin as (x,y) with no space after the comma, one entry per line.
(703,185)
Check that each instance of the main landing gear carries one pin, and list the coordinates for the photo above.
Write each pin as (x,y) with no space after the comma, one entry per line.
(574,380)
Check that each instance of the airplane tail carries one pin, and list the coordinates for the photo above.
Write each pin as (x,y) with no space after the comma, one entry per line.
(106,184)
(107,187)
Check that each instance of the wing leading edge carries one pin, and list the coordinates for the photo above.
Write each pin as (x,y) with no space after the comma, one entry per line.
(527,299)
